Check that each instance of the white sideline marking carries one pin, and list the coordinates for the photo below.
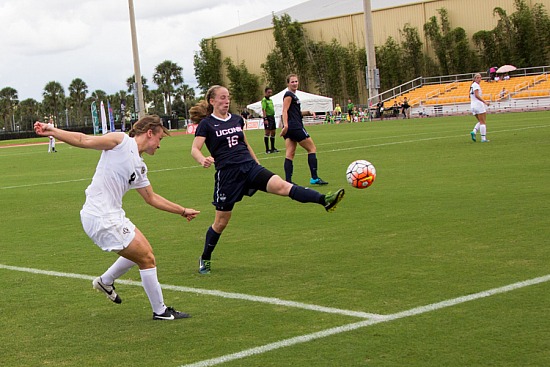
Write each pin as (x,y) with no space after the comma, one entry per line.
(241,296)
(371,319)
(361,324)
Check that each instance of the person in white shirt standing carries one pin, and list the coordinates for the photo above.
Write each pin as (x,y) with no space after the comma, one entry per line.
(121,168)
(51,143)
(477,104)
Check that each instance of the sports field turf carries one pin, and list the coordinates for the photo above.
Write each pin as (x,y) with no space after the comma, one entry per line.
(444,261)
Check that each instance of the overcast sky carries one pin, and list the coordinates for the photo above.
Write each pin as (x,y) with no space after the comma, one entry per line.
(60,40)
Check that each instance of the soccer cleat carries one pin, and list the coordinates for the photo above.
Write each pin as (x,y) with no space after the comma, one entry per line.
(331,200)
(108,290)
(473,135)
(317,181)
(485,141)
(204,266)
(171,314)
(275,150)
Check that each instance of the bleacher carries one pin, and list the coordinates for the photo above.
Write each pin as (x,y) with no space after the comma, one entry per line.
(457,92)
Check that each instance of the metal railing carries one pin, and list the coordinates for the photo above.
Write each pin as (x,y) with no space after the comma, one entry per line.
(445,79)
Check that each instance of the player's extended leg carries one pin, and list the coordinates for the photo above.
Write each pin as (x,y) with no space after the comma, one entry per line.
(276,185)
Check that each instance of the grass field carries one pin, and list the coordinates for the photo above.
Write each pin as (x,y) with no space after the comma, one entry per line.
(444,261)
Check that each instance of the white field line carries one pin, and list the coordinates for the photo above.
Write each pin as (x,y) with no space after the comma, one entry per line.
(361,324)
(208,292)
(371,319)
(298,154)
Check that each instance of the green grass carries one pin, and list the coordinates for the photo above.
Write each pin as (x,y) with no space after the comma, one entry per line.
(445,218)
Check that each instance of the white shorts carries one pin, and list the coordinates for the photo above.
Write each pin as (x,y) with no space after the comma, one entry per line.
(478,109)
(110,233)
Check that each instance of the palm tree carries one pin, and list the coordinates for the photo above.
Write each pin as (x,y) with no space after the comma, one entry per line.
(167,76)
(29,112)
(99,95)
(187,94)
(8,102)
(54,98)
(78,90)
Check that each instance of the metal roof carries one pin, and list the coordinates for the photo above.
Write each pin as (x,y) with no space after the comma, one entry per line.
(316,10)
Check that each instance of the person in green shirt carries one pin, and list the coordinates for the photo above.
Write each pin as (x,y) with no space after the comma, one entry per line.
(268,113)
(350,110)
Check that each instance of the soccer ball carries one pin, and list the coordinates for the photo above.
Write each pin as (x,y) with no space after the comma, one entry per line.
(361,174)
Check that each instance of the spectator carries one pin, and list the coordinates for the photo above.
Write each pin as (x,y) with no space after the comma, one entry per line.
(337,110)
(395,109)
(350,110)
(503,93)
(380,109)
(406,108)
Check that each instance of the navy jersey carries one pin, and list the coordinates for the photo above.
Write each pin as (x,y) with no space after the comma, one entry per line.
(294,112)
(225,140)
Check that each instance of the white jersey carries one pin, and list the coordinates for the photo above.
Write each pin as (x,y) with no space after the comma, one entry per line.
(118,170)
(476,105)
(473,99)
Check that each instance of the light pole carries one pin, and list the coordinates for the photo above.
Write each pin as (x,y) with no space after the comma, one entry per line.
(373,77)
(137,71)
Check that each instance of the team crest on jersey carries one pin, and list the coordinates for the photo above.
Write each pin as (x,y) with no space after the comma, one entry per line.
(142,170)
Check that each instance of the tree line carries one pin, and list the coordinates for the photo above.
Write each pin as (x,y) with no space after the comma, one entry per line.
(521,39)
(172,97)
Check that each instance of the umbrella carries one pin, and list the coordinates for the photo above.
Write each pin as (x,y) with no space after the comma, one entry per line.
(506,69)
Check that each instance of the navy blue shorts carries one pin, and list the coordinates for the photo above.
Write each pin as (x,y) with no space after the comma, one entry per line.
(269,123)
(296,135)
(232,183)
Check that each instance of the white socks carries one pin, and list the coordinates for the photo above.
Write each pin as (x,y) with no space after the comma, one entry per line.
(118,269)
(476,128)
(152,288)
(483,130)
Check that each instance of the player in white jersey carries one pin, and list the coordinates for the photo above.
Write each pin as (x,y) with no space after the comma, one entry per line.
(477,104)
(120,169)
(51,143)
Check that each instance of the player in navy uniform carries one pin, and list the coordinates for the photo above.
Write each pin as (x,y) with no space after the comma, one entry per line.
(238,171)
(294,133)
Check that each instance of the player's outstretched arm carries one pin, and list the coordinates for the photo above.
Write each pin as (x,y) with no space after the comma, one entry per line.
(80,140)
(161,203)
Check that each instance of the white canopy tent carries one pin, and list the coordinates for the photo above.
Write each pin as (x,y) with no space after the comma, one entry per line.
(308,101)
